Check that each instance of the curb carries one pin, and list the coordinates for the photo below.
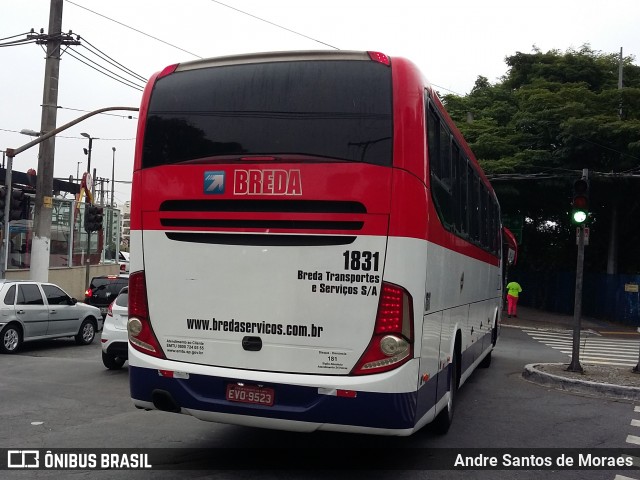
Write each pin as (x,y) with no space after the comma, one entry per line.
(622,392)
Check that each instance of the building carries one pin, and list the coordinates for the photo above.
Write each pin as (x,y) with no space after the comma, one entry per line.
(125,226)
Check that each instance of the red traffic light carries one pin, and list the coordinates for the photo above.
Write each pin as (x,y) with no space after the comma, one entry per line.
(580,204)
(581,193)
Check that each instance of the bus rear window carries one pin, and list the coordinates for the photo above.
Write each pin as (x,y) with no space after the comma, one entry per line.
(339,110)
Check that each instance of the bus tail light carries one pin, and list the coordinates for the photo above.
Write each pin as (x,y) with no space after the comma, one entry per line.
(167,70)
(380,58)
(141,334)
(392,342)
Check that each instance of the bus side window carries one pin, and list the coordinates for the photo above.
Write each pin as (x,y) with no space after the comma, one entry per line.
(439,144)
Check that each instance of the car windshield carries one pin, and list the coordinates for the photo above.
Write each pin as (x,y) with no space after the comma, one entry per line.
(112,285)
(123,298)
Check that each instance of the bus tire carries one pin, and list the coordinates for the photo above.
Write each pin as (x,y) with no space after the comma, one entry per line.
(486,361)
(444,419)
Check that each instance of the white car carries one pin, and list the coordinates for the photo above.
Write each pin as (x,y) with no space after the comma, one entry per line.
(115,340)
(32,310)
(123,260)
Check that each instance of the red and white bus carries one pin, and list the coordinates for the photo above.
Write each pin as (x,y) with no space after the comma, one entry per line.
(314,246)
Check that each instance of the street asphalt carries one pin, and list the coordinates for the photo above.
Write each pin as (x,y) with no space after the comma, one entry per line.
(595,379)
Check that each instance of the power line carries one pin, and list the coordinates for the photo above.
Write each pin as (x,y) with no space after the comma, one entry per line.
(134,29)
(274,24)
(16,43)
(129,117)
(110,60)
(14,36)
(97,68)
(546,176)
(102,69)
(447,89)
(78,138)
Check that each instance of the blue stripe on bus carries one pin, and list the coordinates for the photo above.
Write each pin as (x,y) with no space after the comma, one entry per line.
(293,402)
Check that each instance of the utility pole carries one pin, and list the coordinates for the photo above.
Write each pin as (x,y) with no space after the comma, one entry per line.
(620,82)
(40,251)
(113,167)
(612,253)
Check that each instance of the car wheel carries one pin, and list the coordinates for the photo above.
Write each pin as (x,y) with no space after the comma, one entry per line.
(87,333)
(112,362)
(11,339)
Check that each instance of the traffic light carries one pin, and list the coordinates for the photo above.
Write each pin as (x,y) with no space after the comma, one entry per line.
(580,203)
(92,218)
(17,205)
(98,218)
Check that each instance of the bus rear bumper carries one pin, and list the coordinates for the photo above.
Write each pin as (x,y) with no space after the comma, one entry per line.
(296,408)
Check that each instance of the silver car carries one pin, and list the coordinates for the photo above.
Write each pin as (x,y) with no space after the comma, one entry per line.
(34,311)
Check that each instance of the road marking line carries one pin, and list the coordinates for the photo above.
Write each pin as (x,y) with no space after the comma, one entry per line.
(635,423)
(636,409)
(622,477)
(633,439)
(605,355)
(629,347)
(591,341)
(612,351)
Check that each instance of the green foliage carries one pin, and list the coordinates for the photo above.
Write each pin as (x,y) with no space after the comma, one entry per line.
(558,113)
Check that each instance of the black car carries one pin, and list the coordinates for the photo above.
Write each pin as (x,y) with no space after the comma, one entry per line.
(103,290)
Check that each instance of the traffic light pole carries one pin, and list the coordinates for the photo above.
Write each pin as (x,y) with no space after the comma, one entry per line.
(87,258)
(12,152)
(577,306)
(7,213)
(575,366)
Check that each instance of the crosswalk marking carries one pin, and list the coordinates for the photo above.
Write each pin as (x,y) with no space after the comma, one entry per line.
(633,439)
(593,348)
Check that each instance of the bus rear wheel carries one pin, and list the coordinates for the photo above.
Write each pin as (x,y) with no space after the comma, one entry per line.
(443,421)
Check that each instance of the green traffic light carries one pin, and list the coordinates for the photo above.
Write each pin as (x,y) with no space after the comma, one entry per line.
(579,216)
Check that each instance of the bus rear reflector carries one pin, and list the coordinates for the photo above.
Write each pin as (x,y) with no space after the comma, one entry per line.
(141,334)
(392,342)
(346,393)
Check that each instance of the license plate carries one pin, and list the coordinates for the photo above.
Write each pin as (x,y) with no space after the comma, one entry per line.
(103,309)
(250,394)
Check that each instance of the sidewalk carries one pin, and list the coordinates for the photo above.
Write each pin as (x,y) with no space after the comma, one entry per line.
(532,318)
(602,380)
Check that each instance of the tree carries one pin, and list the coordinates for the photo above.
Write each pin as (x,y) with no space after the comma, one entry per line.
(556,113)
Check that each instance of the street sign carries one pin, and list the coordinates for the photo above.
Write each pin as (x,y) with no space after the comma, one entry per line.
(586,235)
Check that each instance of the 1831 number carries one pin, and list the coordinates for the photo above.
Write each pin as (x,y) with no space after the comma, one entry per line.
(361,260)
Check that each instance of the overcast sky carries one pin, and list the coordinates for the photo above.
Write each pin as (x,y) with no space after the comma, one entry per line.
(452,41)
